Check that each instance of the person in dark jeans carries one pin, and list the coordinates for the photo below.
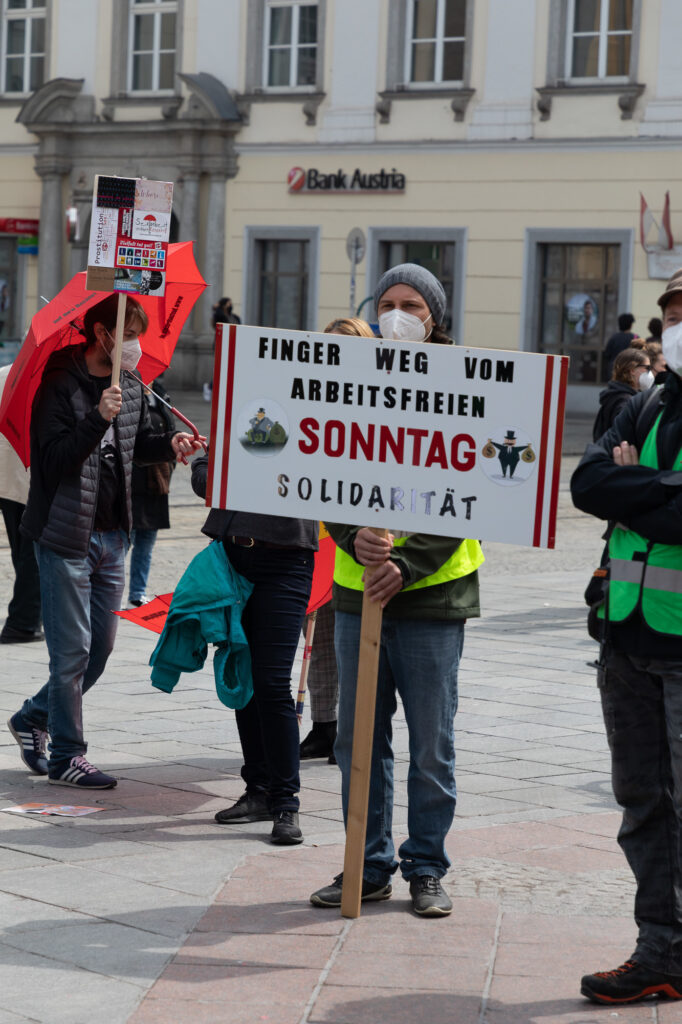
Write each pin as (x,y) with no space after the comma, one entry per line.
(632,476)
(277,555)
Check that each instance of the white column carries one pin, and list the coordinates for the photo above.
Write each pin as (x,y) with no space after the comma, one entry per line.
(663,113)
(50,241)
(349,115)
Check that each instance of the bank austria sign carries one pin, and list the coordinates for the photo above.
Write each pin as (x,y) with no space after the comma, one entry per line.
(313,180)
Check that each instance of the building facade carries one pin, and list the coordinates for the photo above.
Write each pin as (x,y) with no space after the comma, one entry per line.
(502,143)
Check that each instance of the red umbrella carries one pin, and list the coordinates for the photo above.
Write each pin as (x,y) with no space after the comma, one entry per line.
(59,323)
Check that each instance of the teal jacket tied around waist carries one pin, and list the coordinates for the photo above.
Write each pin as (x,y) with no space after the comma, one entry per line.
(207,609)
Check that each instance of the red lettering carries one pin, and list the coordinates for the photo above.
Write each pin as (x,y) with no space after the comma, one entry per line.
(330,447)
(309,427)
(465,460)
(417,436)
(437,451)
(358,440)
(397,446)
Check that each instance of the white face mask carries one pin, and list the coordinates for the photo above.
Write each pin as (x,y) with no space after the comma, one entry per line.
(401,326)
(131,352)
(672,347)
(646,380)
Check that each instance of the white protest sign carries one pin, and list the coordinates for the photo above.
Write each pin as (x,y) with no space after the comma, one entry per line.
(436,439)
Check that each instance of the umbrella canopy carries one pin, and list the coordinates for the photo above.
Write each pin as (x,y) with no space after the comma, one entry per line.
(59,324)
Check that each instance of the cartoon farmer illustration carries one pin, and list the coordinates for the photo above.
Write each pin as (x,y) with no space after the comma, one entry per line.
(260,427)
(509,453)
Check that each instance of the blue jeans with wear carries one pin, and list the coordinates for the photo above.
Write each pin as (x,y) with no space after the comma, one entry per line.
(418,661)
(78,597)
(142,544)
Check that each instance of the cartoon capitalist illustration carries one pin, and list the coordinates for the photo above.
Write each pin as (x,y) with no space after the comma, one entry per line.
(509,452)
(260,427)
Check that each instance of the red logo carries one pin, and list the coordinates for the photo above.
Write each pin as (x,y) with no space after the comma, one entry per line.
(296,179)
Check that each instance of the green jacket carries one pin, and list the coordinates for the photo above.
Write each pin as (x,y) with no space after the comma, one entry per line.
(420,556)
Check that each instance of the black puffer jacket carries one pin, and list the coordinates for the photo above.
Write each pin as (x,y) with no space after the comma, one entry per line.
(66,431)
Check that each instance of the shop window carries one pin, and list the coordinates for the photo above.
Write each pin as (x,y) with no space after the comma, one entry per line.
(282,285)
(152,45)
(599,39)
(436,41)
(578,305)
(291,35)
(23,45)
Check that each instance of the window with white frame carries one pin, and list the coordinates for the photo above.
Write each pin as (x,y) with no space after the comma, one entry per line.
(290,45)
(599,38)
(436,41)
(152,50)
(23,45)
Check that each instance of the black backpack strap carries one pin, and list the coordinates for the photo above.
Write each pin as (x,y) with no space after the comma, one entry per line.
(647,416)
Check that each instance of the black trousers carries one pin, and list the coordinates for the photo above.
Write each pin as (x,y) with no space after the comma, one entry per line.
(23,611)
(272,620)
(642,706)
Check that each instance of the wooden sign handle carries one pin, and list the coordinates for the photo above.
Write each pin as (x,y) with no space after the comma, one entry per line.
(118,339)
(361,758)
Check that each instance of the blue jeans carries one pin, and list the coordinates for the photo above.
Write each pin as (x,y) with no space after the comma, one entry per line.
(272,619)
(642,706)
(78,596)
(419,661)
(142,543)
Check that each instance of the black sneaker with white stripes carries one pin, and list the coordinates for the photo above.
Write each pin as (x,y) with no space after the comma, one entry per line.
(80,773)
(32,743)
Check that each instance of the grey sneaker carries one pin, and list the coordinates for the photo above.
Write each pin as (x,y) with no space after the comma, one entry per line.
(285,829)
(249,807)
(32,743)
(428,897)
(330,895)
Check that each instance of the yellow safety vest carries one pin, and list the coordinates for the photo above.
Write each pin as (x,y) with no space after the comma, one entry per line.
(641,570)
(465,560)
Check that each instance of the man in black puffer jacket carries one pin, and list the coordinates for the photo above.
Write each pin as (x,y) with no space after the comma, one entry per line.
(85,434)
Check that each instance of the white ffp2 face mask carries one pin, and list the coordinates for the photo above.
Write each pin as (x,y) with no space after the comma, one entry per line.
(131,353)
(401,326)
(672,347)
(646,380)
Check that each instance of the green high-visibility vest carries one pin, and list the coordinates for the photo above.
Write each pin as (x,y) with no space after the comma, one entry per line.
(465,560)
(646,572)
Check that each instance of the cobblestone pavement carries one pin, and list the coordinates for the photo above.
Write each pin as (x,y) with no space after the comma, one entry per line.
(148,911)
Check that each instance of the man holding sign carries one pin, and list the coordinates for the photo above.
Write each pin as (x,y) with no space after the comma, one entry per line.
(85,433)
(428,587)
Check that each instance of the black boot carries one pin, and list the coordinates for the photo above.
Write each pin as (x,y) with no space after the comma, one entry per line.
(320,740)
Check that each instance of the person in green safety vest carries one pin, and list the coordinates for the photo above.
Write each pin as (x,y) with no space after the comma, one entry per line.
(428,587)
(633,476)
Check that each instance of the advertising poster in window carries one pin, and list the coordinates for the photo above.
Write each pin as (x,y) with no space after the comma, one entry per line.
(432,439)
(129,234)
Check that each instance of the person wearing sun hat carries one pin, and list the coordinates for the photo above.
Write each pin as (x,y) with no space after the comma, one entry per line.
(633,475)
(428,587)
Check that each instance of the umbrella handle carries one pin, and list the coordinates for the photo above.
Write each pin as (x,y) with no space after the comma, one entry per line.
(188,423)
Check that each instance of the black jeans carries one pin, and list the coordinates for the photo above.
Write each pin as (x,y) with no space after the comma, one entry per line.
(642,705)
(272,619)
(23,612)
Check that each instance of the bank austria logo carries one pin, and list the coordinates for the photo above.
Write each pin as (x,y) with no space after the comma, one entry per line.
(313,180)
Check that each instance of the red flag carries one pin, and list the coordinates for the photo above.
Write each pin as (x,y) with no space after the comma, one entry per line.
(322,574)
(665,235)
(646,221)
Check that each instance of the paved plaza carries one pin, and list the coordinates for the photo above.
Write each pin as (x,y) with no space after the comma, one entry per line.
(150,912)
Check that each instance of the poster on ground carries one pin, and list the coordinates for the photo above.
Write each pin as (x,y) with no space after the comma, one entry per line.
(436,439)
(129,234)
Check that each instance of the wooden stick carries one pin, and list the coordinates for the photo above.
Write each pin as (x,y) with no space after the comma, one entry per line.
(118,339)
(361,758)
(305,667)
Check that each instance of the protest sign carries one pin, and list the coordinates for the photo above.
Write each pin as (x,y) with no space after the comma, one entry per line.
(129,234)
(436,439)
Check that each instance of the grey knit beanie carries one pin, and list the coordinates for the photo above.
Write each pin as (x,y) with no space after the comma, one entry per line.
(419,278)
